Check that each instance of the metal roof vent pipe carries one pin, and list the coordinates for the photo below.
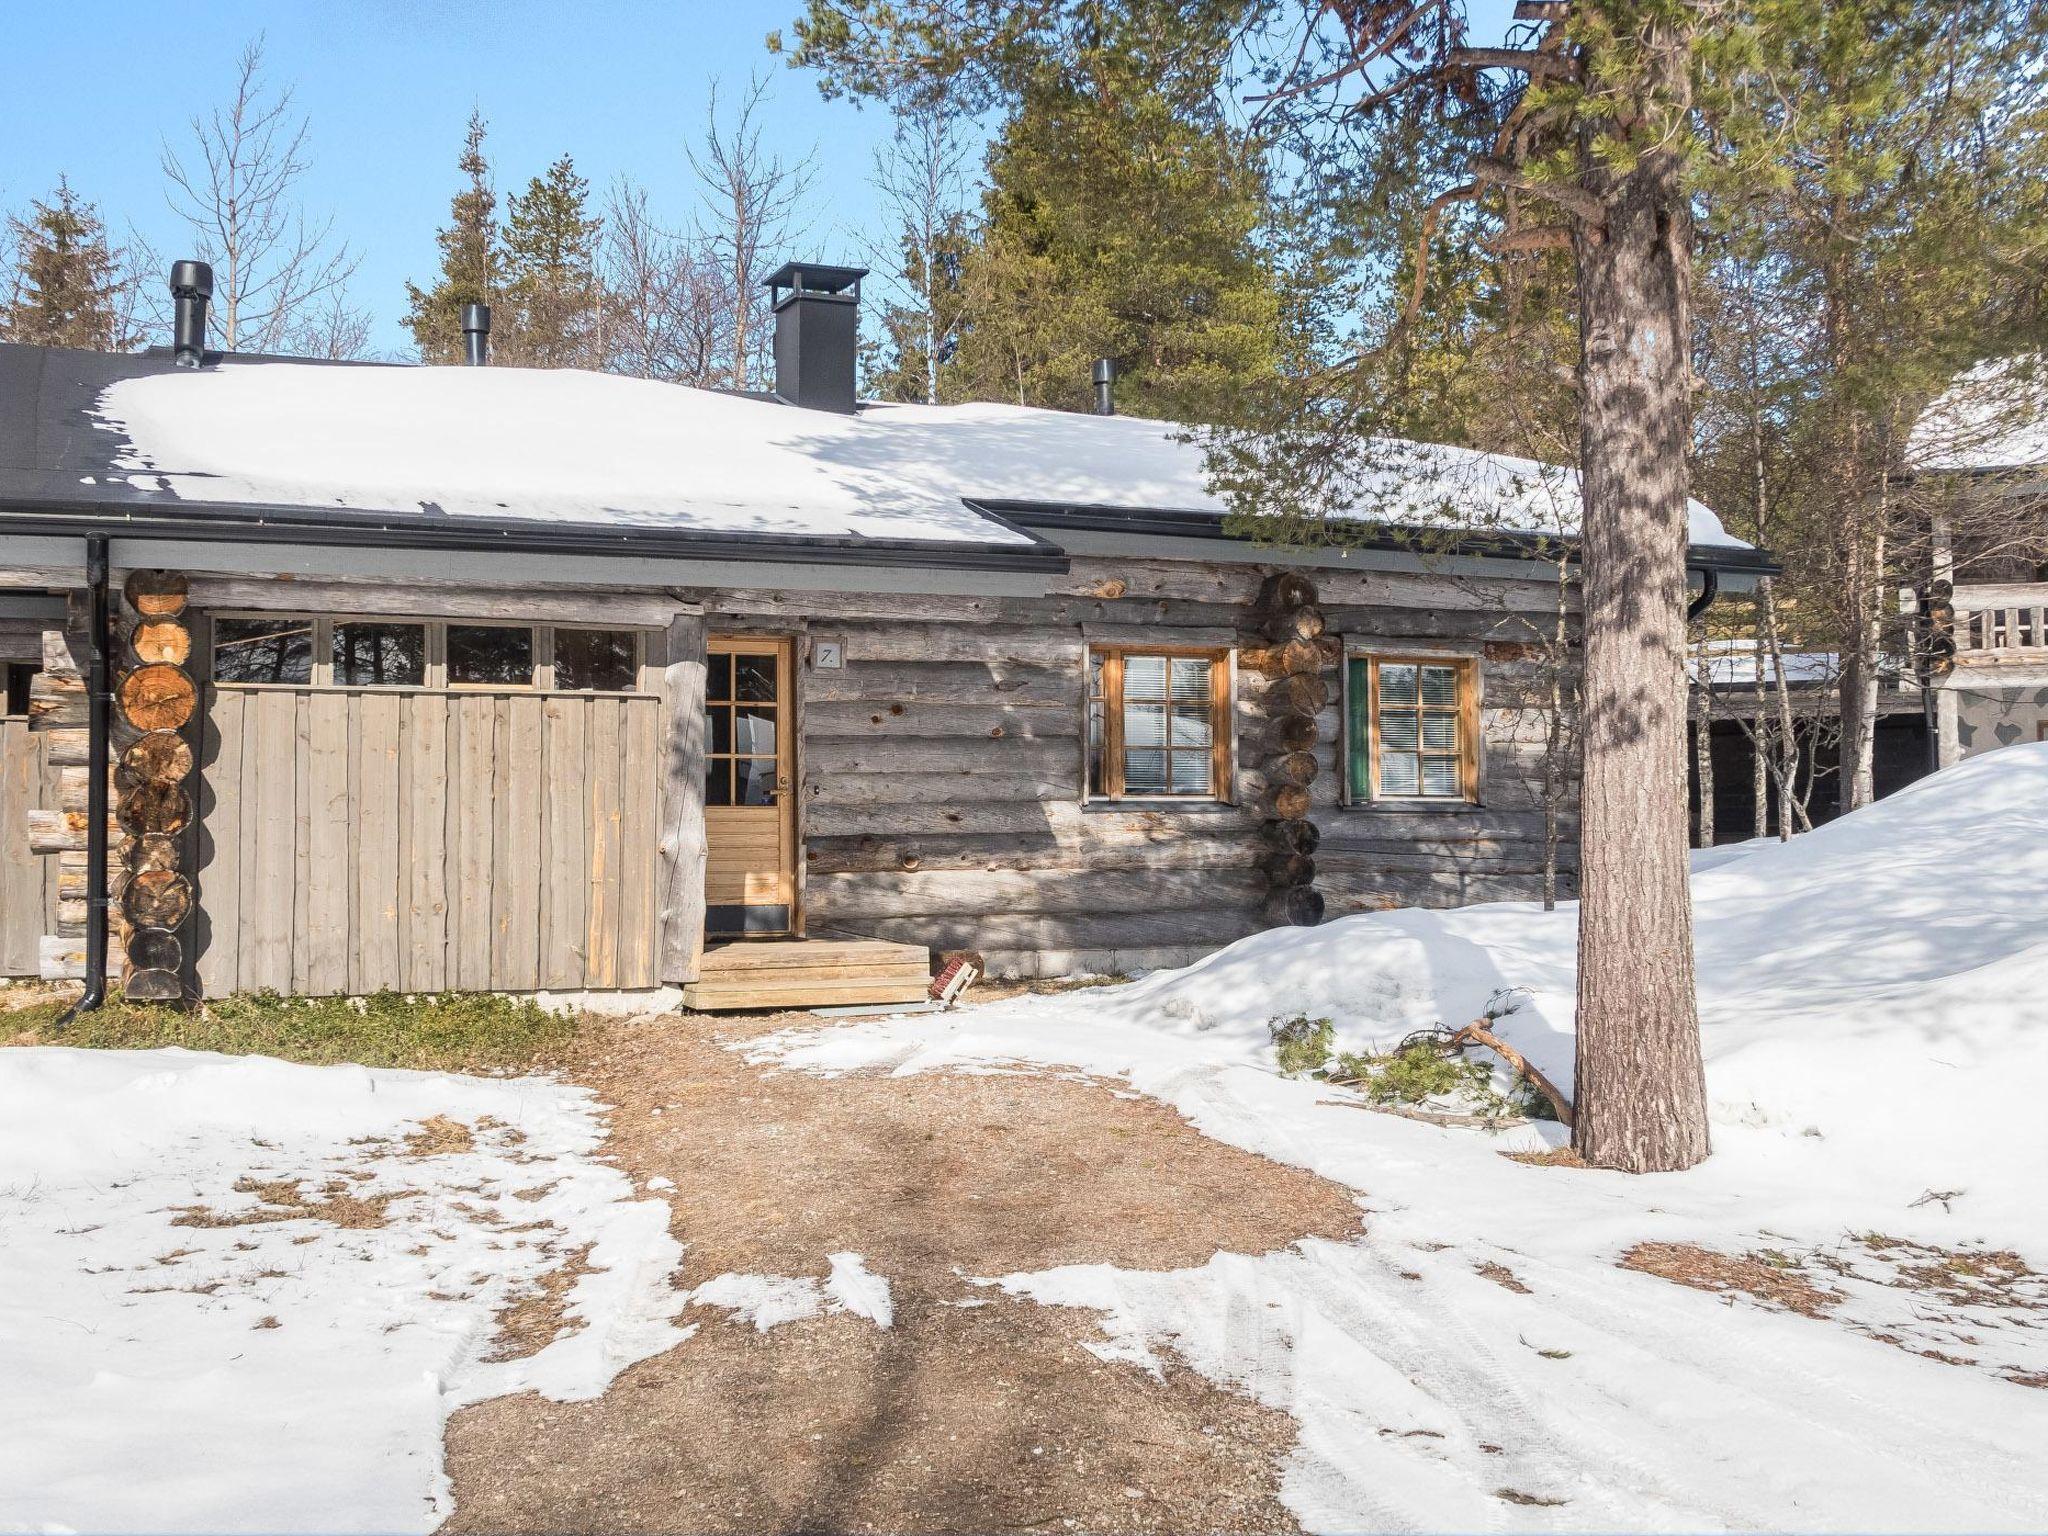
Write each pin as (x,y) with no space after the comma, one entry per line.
(476,335)
(1105,386)
(191,291)
(817,321)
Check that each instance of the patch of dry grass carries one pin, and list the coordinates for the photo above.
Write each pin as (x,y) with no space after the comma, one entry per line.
(1503,1277)
(285,1200)
(1549,1157)
(439,1136)
(529,1323)
(1768,1278)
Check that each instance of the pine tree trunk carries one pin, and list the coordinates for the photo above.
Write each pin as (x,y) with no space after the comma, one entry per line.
(1641,1090)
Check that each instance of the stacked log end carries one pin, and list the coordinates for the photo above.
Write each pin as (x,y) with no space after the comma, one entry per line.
(155,704)
(1292,661)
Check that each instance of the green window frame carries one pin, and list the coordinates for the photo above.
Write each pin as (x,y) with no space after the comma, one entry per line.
(1411,729)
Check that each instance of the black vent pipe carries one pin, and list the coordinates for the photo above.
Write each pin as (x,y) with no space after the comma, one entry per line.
(476,334)
(98,737)
(191,291)
(1105,386)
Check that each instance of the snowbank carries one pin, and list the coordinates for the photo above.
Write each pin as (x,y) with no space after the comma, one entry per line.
(290,1368)
(1871,1009)
(570,446)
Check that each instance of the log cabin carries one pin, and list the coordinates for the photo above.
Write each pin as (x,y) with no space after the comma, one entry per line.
(333,678)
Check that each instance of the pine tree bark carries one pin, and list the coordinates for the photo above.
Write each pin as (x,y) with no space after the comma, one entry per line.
(1640,1090)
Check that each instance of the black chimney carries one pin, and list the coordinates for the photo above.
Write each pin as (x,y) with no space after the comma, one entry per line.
(191,288)
(817,315)
(1105,385)
(476,334)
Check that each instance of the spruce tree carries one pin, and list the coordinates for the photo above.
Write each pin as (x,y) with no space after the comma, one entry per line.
(67,286)
(472,259)
(1123,220)
(552,299)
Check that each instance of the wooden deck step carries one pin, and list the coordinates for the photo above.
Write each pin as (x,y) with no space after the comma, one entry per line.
(809,973)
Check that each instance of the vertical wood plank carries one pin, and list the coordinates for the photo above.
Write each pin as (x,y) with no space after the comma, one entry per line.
(269,855)
(639,821)
(220,875)
(376,814)
(424,836)
(682,846)
(302,844)
(604,834)
(565,854)
(325,939)
(516,848)
(473,752)
(22,903)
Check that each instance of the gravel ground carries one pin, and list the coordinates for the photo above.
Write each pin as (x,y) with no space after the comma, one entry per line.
(974,1411)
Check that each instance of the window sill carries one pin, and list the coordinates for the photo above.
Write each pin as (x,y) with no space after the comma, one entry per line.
(1389,807)
(1183,803)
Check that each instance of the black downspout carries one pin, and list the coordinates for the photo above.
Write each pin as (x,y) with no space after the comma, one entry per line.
(99,730)
(1710,588)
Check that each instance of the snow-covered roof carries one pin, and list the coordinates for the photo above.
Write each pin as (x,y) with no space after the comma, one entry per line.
(585,448)
(1991,417)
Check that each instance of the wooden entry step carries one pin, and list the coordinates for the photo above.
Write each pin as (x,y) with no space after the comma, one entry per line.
(809,973)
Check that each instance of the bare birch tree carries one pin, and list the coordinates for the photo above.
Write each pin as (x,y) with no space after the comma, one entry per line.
(922,175)
(237,189)
(664,296)
(752,198)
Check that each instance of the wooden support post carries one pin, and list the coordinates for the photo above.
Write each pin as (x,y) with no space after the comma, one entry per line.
(682,801)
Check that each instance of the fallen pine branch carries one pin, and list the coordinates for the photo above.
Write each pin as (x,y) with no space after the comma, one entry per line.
(1429,1116)
(1476,1033)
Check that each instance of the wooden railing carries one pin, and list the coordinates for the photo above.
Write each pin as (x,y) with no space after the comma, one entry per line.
(2002,623)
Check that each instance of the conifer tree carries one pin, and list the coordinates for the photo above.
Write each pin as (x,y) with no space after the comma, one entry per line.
(553,302)
(1123,220)
(67,288)
(472,258)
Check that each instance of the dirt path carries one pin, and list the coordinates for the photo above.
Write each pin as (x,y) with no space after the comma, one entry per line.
(973,1411)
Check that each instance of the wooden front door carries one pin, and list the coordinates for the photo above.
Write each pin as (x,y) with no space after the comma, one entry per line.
(749,788)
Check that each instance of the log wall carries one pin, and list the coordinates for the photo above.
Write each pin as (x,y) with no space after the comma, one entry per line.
(943,765)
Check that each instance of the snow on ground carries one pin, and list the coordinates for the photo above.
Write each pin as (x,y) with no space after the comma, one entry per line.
(180,1353)
(571,446)
(769,1301)
(1871,1008)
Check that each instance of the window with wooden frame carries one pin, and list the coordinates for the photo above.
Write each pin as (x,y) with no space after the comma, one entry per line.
(1412,728)
(1158,725)
(258,650)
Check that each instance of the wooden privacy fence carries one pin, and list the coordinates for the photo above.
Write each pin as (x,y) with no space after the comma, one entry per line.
(28,881)
(427,842)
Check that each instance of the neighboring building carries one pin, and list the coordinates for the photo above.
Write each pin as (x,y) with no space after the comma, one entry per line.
(478,678)
(1982,449)
(1741,685)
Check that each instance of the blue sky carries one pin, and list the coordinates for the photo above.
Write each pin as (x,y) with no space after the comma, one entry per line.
(95,88)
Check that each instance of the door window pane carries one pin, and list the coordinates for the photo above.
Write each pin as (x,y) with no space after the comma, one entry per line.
(718,781)
(375,655)
(718,677)
(754,678)
(598,659)
(486,654)
(263,650)
(753,732)
(755,778)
